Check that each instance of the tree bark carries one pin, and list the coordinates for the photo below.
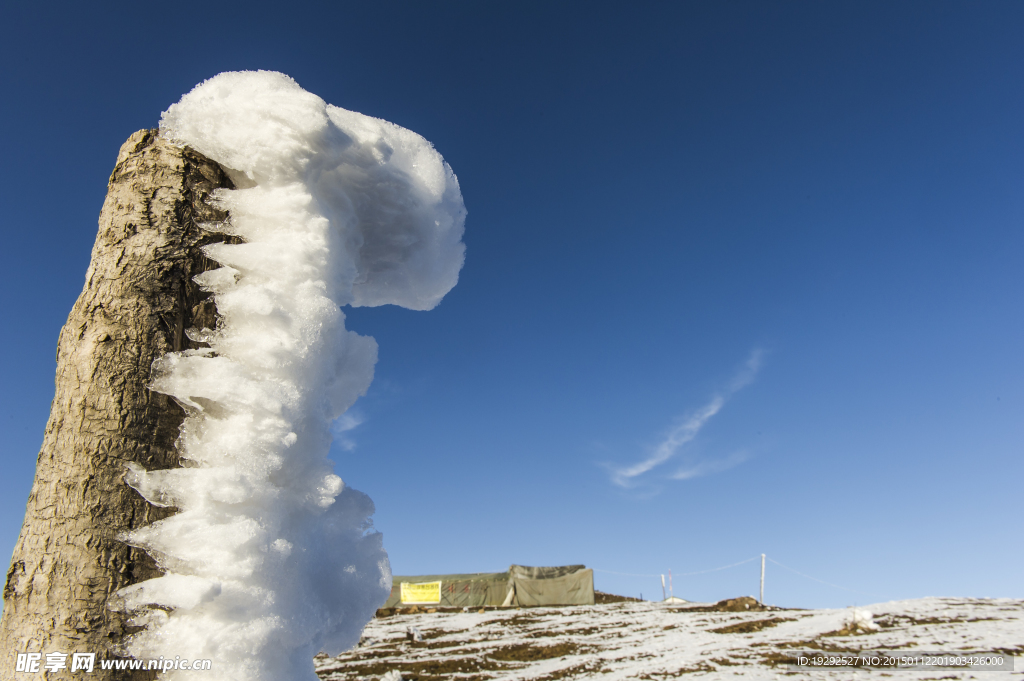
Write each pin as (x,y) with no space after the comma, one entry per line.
(138,301)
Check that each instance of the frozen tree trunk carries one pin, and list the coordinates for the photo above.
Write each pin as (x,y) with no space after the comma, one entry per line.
(138,301)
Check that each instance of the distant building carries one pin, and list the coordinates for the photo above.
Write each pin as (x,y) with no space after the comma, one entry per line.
(519,586)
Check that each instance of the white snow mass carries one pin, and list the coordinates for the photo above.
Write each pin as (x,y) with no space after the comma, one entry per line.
(270,558)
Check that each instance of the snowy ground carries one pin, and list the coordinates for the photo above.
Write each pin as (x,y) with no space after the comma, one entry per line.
(653,641)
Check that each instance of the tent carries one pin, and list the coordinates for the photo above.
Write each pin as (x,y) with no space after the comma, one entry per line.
(477,589)
(519,586)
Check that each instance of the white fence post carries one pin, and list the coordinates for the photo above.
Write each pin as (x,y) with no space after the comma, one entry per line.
(762,579)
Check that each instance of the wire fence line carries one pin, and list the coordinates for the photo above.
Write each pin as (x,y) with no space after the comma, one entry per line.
(822,581)
(742,562)
(724,567)
(684,574)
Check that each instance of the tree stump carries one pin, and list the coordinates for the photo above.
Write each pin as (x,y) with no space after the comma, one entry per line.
(139,299)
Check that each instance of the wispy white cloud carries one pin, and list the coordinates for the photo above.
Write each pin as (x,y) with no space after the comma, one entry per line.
(748,373)
(676,438)
(342,425)
(688,428)
(709,467)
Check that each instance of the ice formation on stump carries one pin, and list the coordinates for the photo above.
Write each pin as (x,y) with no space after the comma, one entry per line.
(269,558)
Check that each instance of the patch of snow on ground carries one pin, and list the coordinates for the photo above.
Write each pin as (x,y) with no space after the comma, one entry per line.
(655,641)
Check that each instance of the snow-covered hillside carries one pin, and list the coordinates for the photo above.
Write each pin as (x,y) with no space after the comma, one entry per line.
(654,641)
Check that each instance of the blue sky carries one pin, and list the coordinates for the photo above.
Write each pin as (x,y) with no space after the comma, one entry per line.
(774,248)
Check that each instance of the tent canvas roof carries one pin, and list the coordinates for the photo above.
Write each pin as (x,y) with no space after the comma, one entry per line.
(468,577)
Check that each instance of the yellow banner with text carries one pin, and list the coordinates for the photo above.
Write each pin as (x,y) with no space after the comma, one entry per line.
(428,592)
